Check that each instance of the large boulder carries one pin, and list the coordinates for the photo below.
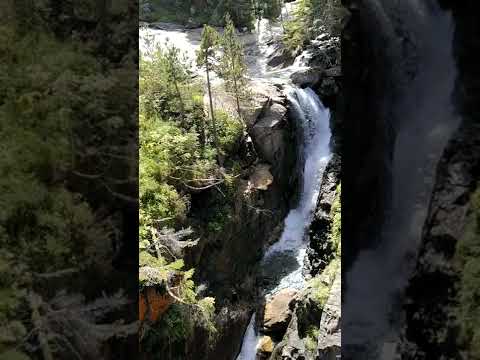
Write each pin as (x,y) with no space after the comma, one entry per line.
(278,312)
(269,134)
(263,95)
(324,81)
(306,78)
(280,57)
(265,346)
(230,322)
(261,177)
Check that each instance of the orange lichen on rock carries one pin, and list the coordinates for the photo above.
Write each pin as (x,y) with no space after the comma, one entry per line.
(152,304)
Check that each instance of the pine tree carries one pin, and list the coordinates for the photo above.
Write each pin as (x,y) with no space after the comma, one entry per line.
(206,59)
(232,68)
(176,71)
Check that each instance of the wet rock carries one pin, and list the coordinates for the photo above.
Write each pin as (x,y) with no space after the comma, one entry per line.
(327,88)
(329,339)
(324,82)
(321,250)
(306,78)
(292,346)
(278,312)
(280,57)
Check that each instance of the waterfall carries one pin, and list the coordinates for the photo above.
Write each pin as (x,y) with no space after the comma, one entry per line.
(284,259)
(314,120)
(421,114)
(249,345)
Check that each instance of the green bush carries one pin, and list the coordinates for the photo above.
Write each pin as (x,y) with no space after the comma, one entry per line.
(311,340)
(230,132)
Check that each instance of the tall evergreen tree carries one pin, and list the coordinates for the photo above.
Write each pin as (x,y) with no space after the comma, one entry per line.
(176,71)
(232,67)
(206,59)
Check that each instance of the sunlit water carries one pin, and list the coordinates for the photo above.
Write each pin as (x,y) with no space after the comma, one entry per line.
(258,45)
(283,261)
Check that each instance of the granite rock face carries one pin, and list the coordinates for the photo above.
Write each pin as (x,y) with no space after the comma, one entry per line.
(329,339)
(321,251)
(433,290)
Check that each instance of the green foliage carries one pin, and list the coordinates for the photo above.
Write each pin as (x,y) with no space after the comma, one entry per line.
(189,311)
(39,217)
(59,109)
(210,12)
(319,286)
(311,340)
(241,12)
(336,215)
(467,263)
(178,154)
(179,149)
(208,47)
(206,58)
(179,323)
(164,71)
(174,150)
(232,67)
(230,132)
(311,18)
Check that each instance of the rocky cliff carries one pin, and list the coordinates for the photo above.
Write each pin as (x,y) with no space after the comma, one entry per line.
(227,259)
(311,322)
(439,306)
(366,133)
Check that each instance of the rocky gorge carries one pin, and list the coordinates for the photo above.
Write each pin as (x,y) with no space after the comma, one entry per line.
(291,321)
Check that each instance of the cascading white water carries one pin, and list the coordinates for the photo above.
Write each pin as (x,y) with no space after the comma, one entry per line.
(249,345)
(314,120)
(259,45)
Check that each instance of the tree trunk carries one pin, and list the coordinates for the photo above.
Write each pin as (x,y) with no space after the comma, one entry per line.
(237,97)
(214,124)
(177,90)
(232,57)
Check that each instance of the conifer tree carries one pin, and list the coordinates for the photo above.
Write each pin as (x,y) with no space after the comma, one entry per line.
(232,67)
(206,59)
(176,71)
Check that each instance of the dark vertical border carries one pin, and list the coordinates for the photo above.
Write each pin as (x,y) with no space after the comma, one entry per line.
(69,218)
